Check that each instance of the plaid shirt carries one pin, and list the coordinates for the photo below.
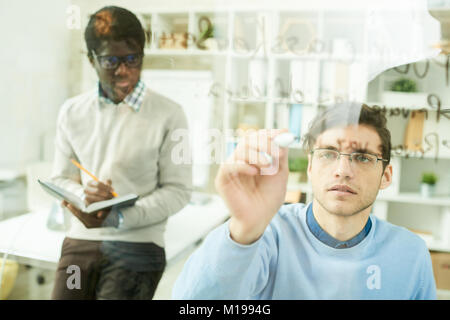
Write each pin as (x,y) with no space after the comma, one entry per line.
(133,99)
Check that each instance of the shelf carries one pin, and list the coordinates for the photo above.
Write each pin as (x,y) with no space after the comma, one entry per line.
(438,246)
(329,57)
(183,52)
(249,55)
(250,100)
(413,155)
(405,106)
(411,197)
(290,101)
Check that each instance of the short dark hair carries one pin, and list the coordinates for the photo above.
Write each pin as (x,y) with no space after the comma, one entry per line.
(113,23)
(350,113)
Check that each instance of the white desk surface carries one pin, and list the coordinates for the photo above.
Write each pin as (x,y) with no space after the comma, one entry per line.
(27,239)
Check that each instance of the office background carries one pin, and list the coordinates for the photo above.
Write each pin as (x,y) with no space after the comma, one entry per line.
(232,65)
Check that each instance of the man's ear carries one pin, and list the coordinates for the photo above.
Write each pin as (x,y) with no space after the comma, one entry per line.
(386,178)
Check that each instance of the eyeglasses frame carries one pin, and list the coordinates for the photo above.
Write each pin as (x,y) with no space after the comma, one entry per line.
(121,59)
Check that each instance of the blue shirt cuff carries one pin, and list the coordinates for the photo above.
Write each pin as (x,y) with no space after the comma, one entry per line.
(120,216)
(114,219)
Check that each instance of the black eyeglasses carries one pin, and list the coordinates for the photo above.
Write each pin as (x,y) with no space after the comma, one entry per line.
(133,60)
(357,159)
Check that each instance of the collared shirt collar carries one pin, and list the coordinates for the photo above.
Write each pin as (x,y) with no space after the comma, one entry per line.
(324,237)
(133,99)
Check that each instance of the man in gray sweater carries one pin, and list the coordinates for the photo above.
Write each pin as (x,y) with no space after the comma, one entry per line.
(121,132)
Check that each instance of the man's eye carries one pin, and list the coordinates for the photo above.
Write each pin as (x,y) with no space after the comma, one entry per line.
(362,158)
(329,155)
(131,58)
(110,60)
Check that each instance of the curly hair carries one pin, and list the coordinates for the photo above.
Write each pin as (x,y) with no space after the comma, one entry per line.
(346,114)
(113,23)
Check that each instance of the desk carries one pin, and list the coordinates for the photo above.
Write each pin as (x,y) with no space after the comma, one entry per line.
(27,239)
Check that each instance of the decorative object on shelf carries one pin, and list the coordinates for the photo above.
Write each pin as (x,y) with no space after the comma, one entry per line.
(297,170)
(176,40)
(427,186)
(404,85)
(404,94)
(443,16)
(148,35)
(288,36)
(206,39)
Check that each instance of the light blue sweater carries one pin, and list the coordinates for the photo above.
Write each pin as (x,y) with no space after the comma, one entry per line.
(289,262)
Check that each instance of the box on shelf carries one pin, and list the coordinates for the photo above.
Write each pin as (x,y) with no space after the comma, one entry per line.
(441,269)
(414,132)
(405,99)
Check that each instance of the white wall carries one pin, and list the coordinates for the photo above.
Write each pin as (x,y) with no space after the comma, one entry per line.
(34,66)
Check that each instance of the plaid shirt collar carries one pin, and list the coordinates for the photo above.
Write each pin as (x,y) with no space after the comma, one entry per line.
(133,99)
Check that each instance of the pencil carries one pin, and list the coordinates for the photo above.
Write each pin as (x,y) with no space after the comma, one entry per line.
(90,174)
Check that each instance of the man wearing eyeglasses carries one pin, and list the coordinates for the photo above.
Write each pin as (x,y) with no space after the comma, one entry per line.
(121,132)
(332,248)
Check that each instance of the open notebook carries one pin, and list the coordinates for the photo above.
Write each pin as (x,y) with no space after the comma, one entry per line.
(60,193)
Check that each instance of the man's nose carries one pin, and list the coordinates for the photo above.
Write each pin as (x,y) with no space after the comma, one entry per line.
(121,69)
(344,166)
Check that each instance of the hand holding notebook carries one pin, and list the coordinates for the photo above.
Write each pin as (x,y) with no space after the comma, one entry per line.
(60,193)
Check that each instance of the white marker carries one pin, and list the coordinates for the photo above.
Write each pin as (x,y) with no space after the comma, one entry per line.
(283,140)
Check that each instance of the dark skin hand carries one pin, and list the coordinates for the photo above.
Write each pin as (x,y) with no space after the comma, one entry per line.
(95,191)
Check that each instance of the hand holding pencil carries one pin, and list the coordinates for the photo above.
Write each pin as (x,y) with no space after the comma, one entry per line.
(100,185)
(95,191)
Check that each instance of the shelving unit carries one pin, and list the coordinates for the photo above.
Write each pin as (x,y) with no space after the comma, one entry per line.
(261,66)
(258,63)
(402,203)
(262,55)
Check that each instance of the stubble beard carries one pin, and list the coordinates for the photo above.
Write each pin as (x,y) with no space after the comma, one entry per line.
(342,213)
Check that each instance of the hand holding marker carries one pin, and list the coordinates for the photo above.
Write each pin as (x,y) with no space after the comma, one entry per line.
(283,140)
